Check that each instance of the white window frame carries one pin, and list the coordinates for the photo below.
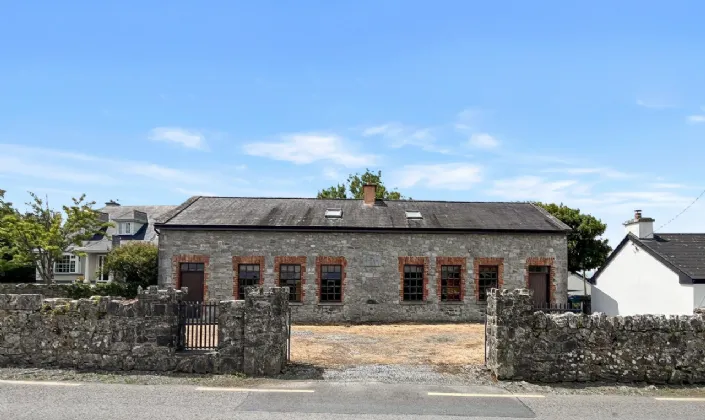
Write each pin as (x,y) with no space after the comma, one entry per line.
(126,228)
(65,267)
(101,263)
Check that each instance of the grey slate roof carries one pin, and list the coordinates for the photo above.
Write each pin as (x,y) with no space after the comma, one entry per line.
(146,233)
(308,213)
(686,251)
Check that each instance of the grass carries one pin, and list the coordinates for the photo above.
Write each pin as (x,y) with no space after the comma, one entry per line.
(411,344)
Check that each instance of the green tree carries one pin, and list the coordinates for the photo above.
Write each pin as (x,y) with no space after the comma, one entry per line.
(353,187)
(135,263)
(41,235)
(586,250)
(11,270)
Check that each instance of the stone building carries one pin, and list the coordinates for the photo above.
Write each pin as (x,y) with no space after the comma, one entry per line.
(364,260)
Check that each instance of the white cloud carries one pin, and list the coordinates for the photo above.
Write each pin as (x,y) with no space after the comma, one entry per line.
(399,135)
(533,188)
(667,185)
(28,166)
(602,171)
(696,119)
(468,119)
(186,138)
(331,173)
(483,141)
(654,104)
(305,148)
(450,176)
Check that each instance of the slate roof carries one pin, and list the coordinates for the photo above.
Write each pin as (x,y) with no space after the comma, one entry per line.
(309,213)
(146,233)
(684,253)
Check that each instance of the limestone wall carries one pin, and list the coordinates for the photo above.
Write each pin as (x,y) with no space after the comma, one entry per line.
(526,345)
(141,334)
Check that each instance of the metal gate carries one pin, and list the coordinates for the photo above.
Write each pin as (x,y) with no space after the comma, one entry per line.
(288,335)
(198,326)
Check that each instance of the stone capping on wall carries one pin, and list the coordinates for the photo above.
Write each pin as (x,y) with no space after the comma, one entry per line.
(322,260)
(477,262)
(251,259)
(140,334)
(279,260)
(543,261)
(176,261)
(525,344)
(440,262)
(413,261)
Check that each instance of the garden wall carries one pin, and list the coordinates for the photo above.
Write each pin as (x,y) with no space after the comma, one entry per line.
(526,345)
(141,334)
(46,290)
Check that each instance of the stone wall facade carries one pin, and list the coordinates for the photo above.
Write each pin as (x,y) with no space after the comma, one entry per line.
(526,345)
(141,334)
(46,290)
(372,277)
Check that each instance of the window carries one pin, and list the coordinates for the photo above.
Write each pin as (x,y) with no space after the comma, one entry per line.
(488,279)
(331,283)
(126,228)
(539,269)
(192,266)
(290,276)
(334,213)
(413,215)
(450,283)
(102,273)
(66,264)
(248,275)
(413,283)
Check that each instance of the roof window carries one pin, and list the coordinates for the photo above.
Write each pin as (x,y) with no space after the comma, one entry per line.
(413,215)
(334,213)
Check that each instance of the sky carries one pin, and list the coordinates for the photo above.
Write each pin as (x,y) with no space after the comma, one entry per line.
(599,105)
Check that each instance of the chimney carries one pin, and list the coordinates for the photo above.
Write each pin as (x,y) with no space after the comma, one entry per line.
(112,203)
(369,194)
(115,241)
(639,226)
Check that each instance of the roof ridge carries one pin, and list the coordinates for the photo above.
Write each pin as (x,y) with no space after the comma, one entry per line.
(359,199)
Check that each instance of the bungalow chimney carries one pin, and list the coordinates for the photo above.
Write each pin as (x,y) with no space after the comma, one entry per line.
(369,194)
(639,226)
(112,203)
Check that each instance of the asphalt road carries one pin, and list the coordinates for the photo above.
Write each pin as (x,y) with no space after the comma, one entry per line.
(319,401)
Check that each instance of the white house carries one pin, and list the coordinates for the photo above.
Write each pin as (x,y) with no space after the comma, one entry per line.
(578,286)
(652,273)
(131,223)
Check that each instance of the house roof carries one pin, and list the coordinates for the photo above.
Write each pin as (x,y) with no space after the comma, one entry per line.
(309,213)
(684,253)
(148,214)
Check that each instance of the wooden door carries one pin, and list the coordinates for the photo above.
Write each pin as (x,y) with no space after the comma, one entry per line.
(539,282)
(193,277)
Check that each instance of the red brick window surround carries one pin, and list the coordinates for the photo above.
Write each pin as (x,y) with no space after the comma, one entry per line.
(245,261)
(413,261)
(545,262)
(296,288)
(176,261)
(331,288)
(453,292)
(488,266)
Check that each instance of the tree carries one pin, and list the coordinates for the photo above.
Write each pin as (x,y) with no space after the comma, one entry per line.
(11,271)
(134,263)
(42,235)
(353,187)
(586,251)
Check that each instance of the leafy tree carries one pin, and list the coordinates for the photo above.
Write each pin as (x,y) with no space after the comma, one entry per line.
(42,235)
(135,264)
(353,187)
(586,251)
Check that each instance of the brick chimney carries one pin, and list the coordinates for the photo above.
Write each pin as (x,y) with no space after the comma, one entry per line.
(369,194)
(639,226)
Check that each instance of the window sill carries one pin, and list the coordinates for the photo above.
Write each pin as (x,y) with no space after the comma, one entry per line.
(452,302)
(413,302)
(330,304)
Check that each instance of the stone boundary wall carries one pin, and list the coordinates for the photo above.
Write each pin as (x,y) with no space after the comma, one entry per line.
(46,290)
(140,334)
(526,345)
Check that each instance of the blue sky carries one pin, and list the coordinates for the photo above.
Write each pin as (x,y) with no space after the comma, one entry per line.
(594,104)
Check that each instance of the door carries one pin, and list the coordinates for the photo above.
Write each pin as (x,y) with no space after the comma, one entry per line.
(192,276)
(103,274)
(539,283)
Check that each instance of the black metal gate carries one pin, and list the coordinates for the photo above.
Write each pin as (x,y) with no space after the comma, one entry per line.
(198,326)
(288,335)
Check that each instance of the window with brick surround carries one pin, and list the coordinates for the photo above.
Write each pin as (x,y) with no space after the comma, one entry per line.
(290,276)
(247,275)
(488,279)
(450,283)
(331,283)
(413,283)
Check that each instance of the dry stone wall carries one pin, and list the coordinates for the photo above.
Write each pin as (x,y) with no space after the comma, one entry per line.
(140,334)
(523,344)
(46,290)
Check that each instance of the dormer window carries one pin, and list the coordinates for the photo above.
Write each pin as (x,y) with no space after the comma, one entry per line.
(413,215)
(334,213)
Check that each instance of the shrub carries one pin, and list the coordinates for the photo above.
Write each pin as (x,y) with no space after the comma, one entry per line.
(135,264)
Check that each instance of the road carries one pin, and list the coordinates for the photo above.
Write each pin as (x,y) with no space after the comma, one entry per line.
(292,400)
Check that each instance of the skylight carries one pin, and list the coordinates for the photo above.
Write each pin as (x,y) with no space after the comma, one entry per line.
(413,214)
(334,213)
